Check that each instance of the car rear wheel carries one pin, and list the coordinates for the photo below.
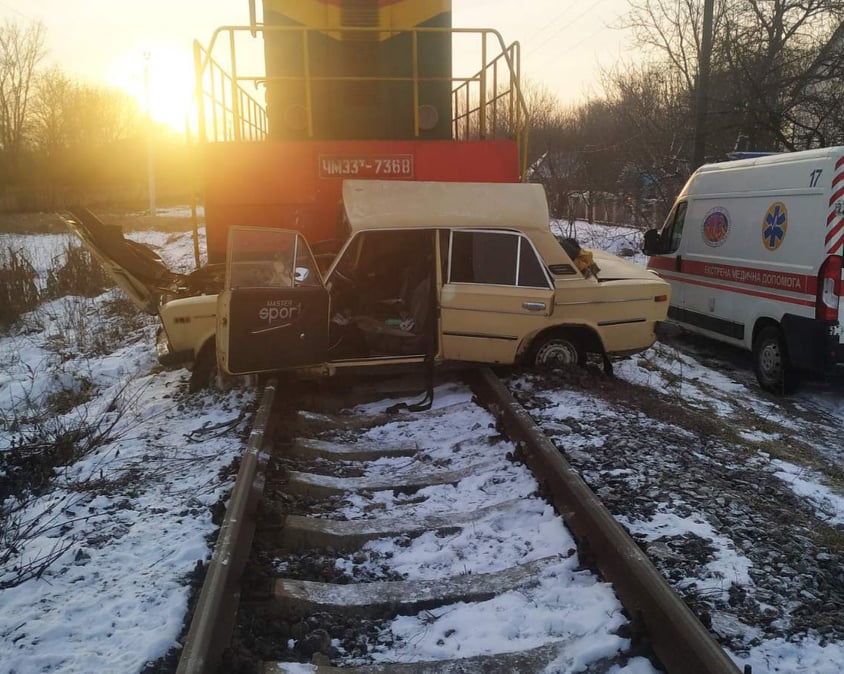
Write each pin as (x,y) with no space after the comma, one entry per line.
(771,363)
(557,351)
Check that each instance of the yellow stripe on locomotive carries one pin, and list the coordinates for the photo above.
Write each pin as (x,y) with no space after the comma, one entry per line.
(386,14)
(355,74)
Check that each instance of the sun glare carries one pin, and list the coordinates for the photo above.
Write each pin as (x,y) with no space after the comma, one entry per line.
(161,80)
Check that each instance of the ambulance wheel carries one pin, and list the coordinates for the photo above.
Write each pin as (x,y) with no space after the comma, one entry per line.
(557,351)
(770,361)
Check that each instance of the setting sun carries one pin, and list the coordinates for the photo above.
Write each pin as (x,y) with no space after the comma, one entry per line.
(169,72)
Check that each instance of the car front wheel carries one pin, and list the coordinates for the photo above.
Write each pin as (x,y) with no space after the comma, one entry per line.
(205,374)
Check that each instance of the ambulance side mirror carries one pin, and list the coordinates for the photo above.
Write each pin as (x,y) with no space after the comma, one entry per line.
(651,244)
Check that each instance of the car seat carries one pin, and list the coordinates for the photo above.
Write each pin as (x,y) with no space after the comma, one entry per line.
(407,331)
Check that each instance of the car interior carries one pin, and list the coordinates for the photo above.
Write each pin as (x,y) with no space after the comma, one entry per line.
(382,296)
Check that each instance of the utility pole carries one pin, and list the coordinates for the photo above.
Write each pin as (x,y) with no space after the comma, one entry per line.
(150,157)
(702,92)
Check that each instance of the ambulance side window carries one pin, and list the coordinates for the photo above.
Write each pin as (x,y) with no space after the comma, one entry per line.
(673,231)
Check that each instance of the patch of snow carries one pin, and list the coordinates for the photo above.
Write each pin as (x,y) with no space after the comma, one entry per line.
(807,483)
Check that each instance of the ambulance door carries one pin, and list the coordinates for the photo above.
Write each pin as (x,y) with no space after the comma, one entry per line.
(666,258)
(273,311)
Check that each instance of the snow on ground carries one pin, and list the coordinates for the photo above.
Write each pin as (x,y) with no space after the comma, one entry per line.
(40,255)
(809,484)
(128,521)
(125,522)
(587,429)
(565,605)
(176,248)
(183,211)
(707,378)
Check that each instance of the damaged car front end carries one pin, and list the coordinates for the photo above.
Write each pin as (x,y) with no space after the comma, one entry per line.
(185,303)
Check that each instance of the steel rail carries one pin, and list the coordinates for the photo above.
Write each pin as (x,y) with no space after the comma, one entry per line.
(678,638)
(213,618)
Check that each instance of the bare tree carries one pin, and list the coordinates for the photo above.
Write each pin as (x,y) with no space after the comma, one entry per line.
(770,61)
(576,153)
(78,132)
(50,126)
(671,31)
(21,50)
(780,54)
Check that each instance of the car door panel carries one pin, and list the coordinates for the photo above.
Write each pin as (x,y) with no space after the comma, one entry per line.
(273,312)
(489,302)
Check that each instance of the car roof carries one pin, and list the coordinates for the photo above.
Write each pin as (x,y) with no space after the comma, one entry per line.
(376,204)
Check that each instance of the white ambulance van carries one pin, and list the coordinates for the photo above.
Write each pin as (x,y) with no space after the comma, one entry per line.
(752,249)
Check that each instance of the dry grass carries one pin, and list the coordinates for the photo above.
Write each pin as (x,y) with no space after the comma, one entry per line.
(18,285)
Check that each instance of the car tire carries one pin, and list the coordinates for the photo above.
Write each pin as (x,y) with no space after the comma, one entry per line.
(204,374)
(557,351)
(774,371)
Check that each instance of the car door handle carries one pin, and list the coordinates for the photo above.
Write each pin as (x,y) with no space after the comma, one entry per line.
(533,306)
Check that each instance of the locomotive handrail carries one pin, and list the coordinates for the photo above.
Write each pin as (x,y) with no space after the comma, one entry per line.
(509,90)
(252,124)
(475,115)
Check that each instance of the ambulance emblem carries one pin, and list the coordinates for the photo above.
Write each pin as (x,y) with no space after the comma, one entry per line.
(716,227)
(775,225)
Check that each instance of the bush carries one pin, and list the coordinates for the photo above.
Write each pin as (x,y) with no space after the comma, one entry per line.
(75,272)
(18,286)
(42,443)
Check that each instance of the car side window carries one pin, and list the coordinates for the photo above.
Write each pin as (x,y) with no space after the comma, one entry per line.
(260,258)
(494,258)
(531,271)
(673,232)
(484,257)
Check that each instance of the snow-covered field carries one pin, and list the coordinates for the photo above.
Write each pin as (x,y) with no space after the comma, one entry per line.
(125,522)
(95,570)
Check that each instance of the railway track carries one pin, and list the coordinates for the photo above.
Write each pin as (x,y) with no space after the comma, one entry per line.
(427,542)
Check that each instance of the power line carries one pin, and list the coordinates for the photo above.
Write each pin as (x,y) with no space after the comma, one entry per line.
(16,11)
(572,22)
(549,24)
(590,36)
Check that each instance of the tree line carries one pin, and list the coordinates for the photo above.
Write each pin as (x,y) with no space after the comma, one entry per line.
(64,142)
(776,73)
(776,69)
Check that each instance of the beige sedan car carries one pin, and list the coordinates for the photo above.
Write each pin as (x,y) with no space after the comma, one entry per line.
(431,271)
(428,272)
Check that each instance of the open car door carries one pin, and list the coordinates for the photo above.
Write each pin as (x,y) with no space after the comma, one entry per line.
(273,311)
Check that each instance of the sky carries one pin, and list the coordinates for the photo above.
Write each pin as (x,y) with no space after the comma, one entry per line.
(565,43)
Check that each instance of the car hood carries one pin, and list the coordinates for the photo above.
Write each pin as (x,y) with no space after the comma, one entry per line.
(136,268)
(614,268)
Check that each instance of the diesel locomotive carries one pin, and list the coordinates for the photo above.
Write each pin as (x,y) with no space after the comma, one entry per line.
(321,91)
